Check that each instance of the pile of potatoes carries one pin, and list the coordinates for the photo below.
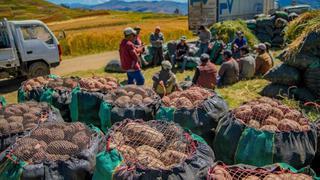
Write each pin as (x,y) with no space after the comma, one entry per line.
(16,118)
(35,83)
(53,142)
(189,98)
(149,145)
(223,173)
(63,83)
(270,115)
(101,84)
(131,95)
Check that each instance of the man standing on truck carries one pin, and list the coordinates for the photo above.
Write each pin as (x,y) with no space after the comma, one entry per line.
(129,58)
(157,40)
(204,38)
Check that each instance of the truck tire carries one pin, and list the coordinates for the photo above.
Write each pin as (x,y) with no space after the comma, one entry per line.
(38,69)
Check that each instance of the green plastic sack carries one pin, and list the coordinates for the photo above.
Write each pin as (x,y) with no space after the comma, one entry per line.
(3,102)
(302,61)
(283,74)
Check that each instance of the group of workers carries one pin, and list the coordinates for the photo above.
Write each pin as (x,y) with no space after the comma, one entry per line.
(238,63)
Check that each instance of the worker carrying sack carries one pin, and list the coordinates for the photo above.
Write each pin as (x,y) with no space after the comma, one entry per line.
(283,74)
(130,101)
(19,119)
(152,150)
(87,99)
(263,132)
(54,151)
(278,171)
(196,109)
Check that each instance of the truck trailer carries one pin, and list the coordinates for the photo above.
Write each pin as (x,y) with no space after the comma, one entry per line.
(208,12)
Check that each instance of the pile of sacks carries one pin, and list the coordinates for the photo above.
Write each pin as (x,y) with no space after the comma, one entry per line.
(270,29)
(299,75)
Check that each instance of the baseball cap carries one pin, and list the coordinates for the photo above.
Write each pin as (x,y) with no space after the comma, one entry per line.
(128,31)
(204,57)
(260,46)
(183,38)
(166,65)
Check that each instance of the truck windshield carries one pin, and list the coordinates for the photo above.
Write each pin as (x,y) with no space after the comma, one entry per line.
(4,38)
(36,32)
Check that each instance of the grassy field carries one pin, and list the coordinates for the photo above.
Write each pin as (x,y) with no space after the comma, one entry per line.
(103,33)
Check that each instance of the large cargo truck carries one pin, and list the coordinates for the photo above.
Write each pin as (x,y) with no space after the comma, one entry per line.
(208,12)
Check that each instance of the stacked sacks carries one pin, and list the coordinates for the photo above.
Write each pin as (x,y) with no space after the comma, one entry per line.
(53,151)
(263,132)
(114,66)
(87,99)
(280,171)
(152,150)
(51,89)
(270,28)
(17,119)
(300,68)
(196,108)
(129,101)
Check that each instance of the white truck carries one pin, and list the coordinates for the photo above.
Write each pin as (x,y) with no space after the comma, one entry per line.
(27,48)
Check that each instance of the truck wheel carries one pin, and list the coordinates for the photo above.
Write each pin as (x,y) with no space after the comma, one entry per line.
(38,69)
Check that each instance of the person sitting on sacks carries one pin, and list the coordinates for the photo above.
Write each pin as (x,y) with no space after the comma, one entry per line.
(165,81)
(206,73)
(263,60)
(229,70)
(182,51)
(247,64)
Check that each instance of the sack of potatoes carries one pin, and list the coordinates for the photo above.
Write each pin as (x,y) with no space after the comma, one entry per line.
(98,84)
(221,171)
(265,131)
(154,146)
(16,119)
(53,145)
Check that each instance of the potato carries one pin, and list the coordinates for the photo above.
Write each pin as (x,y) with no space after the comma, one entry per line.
(17,119)
(303,121)
(15,127)
(131,94)
(270,121)
(62,147)
(147,101)
(285,109)
(293,115)
(305,128)
(171,157)
(271,128)
(30,118)
(277,113)
(254,124)
(30,126)
(135,89)
(273,177)
(261,111)
(268,100)
(178,145)
(81,139)
(150,162)
(144,134)
(4,127)
(252,177)
(123,101)
(289,125)
(144,149)
(300,177)
(219,173)
(136,101)
(137,96)
(128,152)
(166,101)
(244,115)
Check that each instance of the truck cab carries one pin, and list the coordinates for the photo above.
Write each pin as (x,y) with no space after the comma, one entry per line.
(27,48)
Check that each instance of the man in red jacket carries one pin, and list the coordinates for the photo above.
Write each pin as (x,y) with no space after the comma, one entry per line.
(130,59)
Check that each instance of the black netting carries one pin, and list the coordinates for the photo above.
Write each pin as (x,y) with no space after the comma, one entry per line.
(52,142)
(152,144)
(222,172)
(270,115)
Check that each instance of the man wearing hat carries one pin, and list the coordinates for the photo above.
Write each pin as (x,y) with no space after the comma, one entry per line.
(206,73)
(164,82)
(157,40)
(229,70)
(129,58)
(263,59)
(182,51)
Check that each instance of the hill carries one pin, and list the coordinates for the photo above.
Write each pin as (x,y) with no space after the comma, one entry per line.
(313,3)
(41,9)
(143,6)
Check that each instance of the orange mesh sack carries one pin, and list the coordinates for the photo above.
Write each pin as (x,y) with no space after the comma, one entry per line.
(272,172)
(63,149)
(153,149)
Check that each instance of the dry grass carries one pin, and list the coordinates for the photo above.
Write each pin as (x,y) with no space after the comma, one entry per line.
(104,33)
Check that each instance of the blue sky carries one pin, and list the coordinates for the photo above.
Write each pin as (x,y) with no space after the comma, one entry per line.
(91,2)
